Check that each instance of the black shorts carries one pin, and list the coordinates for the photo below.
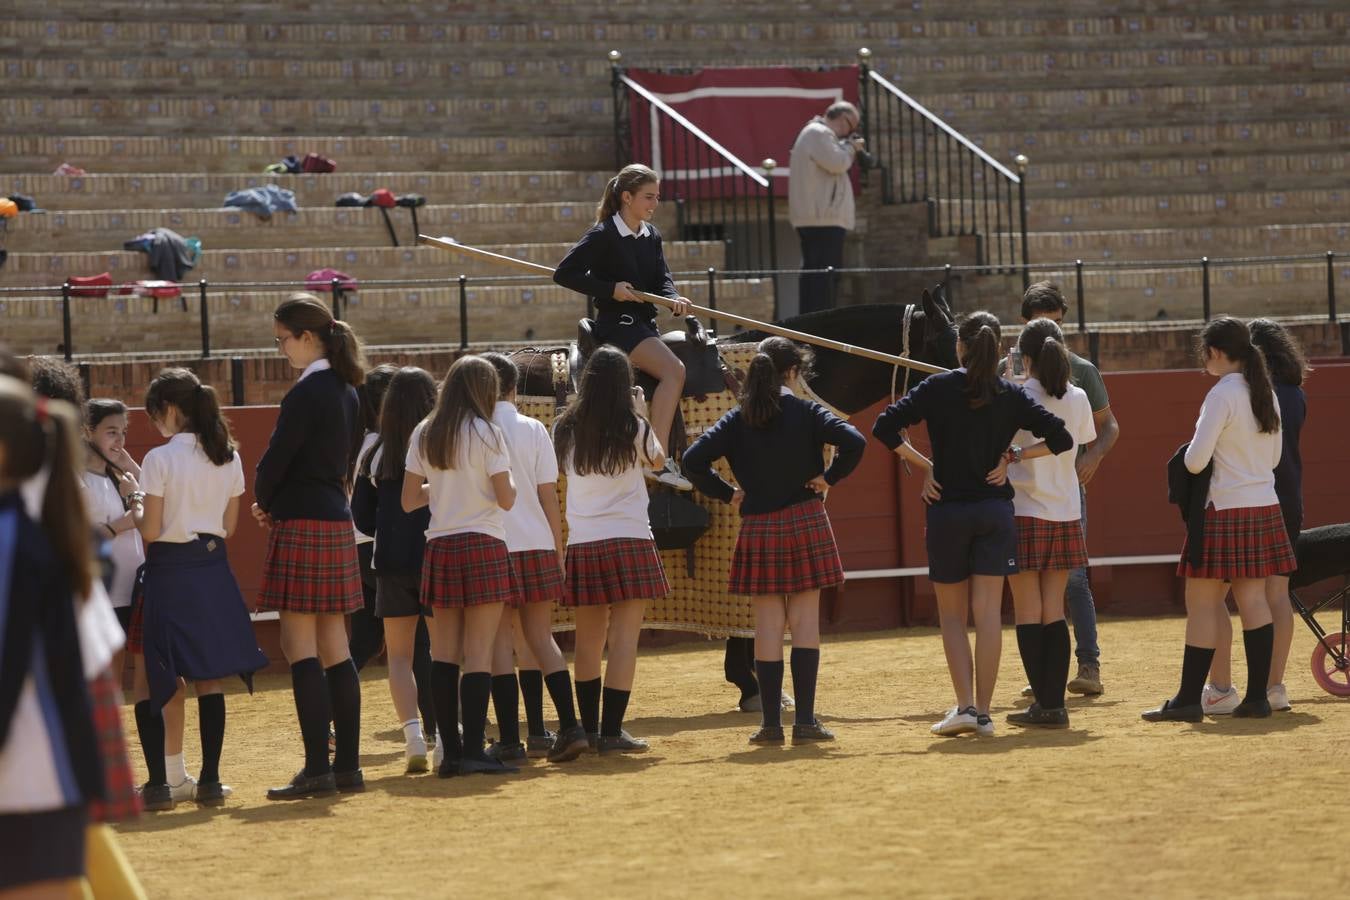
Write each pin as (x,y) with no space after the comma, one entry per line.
(971,538)
(397,596)
(43,846)
(625,332)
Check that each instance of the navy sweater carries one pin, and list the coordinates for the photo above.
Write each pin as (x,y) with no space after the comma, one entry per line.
(303,473)
(967,443)
(1289,472)
(773,464)
(400,537)
(602,258)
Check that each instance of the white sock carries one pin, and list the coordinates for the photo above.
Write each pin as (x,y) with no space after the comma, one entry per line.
(412,732)
(175,770)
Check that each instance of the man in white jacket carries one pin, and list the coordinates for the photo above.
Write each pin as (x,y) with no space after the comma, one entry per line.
(820,197)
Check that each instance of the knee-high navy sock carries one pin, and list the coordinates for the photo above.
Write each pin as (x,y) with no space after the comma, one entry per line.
(421,666)
(1260,646)
(150,728)
(1029,641)
(344,693)
(532,690)
(211,727)
(314,710)
(616,706)
(770,674)
(1195,664)
(560,690)
(445,689)
(588,704)
(805,667)
(1056,650)
(506,704)
(474,690)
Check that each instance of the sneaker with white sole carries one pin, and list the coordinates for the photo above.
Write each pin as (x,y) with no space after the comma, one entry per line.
(415,757)
(1029,691)
(1219,701)
(670,476)
(438,755)
(185,790)
(957,721)
(1279,698)
(984,725)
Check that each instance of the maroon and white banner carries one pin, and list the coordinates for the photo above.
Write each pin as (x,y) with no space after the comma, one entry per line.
(753,113)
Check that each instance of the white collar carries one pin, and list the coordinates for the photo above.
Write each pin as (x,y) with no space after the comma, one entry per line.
(503,408)
(785,391)
(184,437)
(625,231)
(317,366)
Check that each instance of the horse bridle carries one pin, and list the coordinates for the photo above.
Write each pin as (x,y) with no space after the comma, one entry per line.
(904,352)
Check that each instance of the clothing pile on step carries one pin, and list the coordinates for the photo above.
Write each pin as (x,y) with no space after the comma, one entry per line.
(309,163)
(322,280)
(102,284)
(262,201)
(383,198)
(170,254)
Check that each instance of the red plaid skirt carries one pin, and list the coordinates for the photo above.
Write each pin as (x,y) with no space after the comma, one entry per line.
(536,577)
(785,552)
(1246,542)
(311,567)
(136,628)
(120,801)
(614,570)
(1043,545)
(466,569)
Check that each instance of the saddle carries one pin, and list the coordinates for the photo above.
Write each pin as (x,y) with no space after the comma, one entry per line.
(704,373)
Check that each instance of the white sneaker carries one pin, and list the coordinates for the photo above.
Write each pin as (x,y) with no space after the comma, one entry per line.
(438,755)
(670,476)
(1216,702)
(957,721)
(415,757)
(1279,698)
(984,725)
(1028,691)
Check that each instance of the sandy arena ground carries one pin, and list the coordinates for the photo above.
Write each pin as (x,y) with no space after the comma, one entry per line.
(1113,807)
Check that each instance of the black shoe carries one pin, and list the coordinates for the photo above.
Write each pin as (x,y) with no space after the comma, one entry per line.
(156,797)
(811,732)
(569,745)
(210,793)
(767,734)
(303,786)
(623,742)
(1258,708)
(449,768)
(479,765)
(1037,717)
(353,782)
(537,746)
(1169,713)
(507,753)
(593,741)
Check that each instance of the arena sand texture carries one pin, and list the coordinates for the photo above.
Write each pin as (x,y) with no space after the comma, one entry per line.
(1112,807)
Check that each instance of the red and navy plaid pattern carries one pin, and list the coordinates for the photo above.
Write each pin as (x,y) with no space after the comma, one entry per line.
(786,552)
(466,569)
(311,567)
(1246,542)
(1043,545)
(614,570)
(136,627)
(537,577)
(120,801)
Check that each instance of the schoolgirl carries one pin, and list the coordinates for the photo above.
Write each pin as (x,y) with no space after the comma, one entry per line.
(106,489)
(311,574)
(619,254)
(367,629)
(534,542)
(1050,540)
(196,626)
(604,443)
(50,764)
(398,549)
(457,463)
(785,552)
(972,416)
(1244,540)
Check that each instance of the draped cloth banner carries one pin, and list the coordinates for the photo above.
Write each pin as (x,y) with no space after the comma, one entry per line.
(753,113)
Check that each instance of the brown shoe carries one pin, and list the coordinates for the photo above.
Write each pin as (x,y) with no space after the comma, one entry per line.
(1089,680)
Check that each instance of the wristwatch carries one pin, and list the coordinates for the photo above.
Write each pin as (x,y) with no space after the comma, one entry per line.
(136,497)
(1014,454)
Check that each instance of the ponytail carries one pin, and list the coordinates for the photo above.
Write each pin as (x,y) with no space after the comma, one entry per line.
(630,178)
(341,347)
(980,333)
(1232,338)
(760,397)
(199,408)
(1042,343)
(1284,358)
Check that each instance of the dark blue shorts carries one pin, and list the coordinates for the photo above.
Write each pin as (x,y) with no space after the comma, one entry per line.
(625,332)
(971,538)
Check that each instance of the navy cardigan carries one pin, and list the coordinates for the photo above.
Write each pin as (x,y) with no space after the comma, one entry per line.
(303,473)
(603,258)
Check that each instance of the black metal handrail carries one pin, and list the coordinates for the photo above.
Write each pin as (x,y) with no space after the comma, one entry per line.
(717,196)
(924,160)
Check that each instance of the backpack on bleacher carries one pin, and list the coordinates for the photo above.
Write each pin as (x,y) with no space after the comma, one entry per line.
(313,162)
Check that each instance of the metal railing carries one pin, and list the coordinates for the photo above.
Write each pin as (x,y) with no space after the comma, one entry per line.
(717,196)
(922,159)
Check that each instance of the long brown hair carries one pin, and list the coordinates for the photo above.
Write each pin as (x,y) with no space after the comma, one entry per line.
(341,347)
(1042,342)
(469,392)
(1284,356)
(980,333)
(199,408)
(408,399)
(630,178)
(599,431)
(38,432)
(1231,338)
(775,357)
(96,409)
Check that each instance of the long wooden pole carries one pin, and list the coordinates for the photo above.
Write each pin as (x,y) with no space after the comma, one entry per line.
(531,268)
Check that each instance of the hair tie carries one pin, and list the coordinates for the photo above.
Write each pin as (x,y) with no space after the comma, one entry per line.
(41,405)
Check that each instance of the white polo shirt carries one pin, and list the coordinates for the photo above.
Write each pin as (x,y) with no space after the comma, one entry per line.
(1047,488)
(532,463)
(195,490)
(462,498)
(366,443)
(105,505)
(1244,458)
(601,507)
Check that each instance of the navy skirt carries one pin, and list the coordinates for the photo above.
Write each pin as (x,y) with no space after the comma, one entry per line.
(196,624)
(625,331)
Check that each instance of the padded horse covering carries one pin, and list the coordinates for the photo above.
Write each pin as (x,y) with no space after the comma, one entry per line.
(1322,553)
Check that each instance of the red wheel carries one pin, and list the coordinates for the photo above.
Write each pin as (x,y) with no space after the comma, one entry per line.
(1329,676)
